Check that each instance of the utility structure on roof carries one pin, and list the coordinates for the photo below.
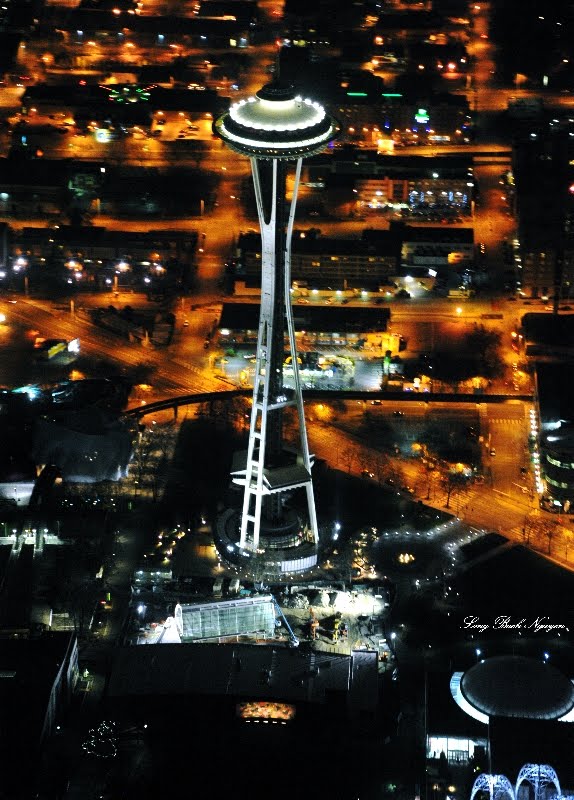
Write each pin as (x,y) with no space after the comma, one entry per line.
(272,128)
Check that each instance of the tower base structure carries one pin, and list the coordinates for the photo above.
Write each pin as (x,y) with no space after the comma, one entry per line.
(283,553)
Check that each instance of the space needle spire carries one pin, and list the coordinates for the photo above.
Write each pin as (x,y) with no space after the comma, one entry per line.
(272,128)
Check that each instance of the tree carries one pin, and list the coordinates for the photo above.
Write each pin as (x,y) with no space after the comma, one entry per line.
(348,457)
(481,348)
(430,474)
(379,464)
(452,369)
(539,528)
(364,458)
(453,483)
(483,345)
(550,531)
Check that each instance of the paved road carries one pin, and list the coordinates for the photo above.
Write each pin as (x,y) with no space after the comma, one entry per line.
(499,504)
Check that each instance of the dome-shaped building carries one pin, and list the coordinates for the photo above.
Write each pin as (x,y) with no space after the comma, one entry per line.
(512,686)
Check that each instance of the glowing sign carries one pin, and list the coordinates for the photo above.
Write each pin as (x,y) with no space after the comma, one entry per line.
(422,116)
(265,711)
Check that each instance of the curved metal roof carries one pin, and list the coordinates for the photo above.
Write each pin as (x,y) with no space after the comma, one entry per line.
(516,686)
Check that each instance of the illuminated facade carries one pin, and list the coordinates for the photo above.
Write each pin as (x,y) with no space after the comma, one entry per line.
(272,128)
(552,436)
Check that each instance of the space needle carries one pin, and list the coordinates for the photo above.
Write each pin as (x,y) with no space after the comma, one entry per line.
(274,127)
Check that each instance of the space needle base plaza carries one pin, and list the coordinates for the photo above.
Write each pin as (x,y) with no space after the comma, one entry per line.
(273,128)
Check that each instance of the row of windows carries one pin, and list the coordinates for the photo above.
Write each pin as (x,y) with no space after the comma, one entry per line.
(559,484)
(556,463)
(309,261)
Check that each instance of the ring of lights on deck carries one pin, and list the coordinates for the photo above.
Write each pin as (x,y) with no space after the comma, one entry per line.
(276,123)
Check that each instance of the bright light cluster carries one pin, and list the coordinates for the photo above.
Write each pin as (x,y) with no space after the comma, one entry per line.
(268,125)
(102,741)
(535,452)
(324,137)
(298,114)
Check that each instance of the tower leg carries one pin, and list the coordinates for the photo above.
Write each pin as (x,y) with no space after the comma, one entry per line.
(266,449)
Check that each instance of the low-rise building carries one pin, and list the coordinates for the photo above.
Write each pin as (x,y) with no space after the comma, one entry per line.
(437,247)
(95,244)
(323,262)
(443,186)
(402,258)
(315,324)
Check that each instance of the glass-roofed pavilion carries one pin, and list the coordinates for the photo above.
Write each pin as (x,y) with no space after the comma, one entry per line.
(250,616)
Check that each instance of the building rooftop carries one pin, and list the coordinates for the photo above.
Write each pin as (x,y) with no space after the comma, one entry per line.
(555,389)
(440,233)
(245,316)
(549,330)
(517,686)
(383,243)
(242,670)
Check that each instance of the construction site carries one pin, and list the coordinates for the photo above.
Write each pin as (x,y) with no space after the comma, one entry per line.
(317,617)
